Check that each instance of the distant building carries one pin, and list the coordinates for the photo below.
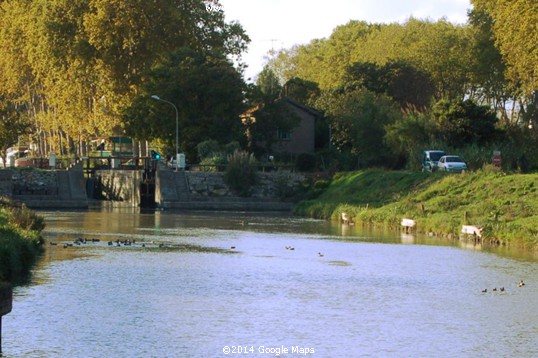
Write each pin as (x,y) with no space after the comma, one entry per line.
(300,139)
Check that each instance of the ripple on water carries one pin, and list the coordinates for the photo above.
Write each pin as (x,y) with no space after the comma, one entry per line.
(361,298)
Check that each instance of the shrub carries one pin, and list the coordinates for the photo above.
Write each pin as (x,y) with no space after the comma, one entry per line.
(215,163)
(207,148)
(20,241)
(241,174)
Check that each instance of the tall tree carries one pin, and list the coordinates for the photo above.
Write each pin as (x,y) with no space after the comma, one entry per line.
(410,87)
(206,89)
(464,123)
(514,28)
(79,62)
(358,119)
(13,124)
(488,75)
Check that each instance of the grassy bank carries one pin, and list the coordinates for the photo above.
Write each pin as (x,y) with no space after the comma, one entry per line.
(20,240)
(505,205)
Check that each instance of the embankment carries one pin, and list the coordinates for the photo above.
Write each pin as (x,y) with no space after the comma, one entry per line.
(504,205)
(20,240)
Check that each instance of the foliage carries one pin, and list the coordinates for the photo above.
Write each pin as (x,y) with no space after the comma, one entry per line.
(410,87)
(207,148)
(13,124)
(439,50)
(358,118)
(514,30)
(20,240)
(214,155)
(241,172)
(268,84)
(77,64)
(409,136)
(214,163)
(207,91)
(488,72)
(300,90)
(463,123)
(267,121)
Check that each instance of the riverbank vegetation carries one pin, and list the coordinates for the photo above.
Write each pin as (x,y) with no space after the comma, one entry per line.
(20,240)
(504,205)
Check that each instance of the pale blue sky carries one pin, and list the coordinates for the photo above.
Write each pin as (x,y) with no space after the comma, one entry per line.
(283,23)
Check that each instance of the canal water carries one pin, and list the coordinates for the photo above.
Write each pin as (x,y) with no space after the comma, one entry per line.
(120,283)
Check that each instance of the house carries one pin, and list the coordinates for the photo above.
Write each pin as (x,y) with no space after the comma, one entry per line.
(300,139)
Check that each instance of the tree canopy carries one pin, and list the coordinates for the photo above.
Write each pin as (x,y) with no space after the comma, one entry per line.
(78,64)
(515,33)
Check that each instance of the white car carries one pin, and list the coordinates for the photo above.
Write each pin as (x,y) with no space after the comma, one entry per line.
(451,163)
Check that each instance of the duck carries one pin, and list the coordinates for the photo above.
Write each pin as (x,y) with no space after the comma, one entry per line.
(502,289)
(320,254)
(521,284)
(484,290)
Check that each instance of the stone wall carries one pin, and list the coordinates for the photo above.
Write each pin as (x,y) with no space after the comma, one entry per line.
(34,182)
(39,188)
(271,185)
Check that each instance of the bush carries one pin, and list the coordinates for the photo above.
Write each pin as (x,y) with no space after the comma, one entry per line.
(207,148)
(215,163)
(241,173)
(20,240)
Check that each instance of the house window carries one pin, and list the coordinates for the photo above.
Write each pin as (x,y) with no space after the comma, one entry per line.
(284,134)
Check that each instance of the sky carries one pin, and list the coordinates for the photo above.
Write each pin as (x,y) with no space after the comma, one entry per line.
(281,24)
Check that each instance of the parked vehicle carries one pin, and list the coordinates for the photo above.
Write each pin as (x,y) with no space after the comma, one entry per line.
(451,163)
(430,158)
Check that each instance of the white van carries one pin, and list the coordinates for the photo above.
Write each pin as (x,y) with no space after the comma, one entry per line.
(430,160)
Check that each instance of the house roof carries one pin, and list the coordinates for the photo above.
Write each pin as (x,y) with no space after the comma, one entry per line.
(288,100)
(303,107)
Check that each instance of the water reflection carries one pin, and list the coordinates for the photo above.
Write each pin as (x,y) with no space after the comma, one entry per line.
(209,280)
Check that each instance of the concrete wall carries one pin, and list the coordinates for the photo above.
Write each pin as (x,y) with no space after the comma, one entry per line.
(121,185)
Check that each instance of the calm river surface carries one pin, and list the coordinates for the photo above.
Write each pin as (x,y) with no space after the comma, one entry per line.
(231,283)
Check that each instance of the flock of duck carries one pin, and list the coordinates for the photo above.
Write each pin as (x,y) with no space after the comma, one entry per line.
(520,284)
(115,243)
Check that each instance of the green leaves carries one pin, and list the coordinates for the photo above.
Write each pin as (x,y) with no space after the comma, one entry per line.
(80,63)
(516,35)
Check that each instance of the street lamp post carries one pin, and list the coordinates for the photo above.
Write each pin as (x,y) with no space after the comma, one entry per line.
(177,127)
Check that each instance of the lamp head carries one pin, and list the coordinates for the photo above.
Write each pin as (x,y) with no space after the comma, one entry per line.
(156,97)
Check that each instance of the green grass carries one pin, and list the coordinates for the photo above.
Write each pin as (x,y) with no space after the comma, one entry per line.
(505,205)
